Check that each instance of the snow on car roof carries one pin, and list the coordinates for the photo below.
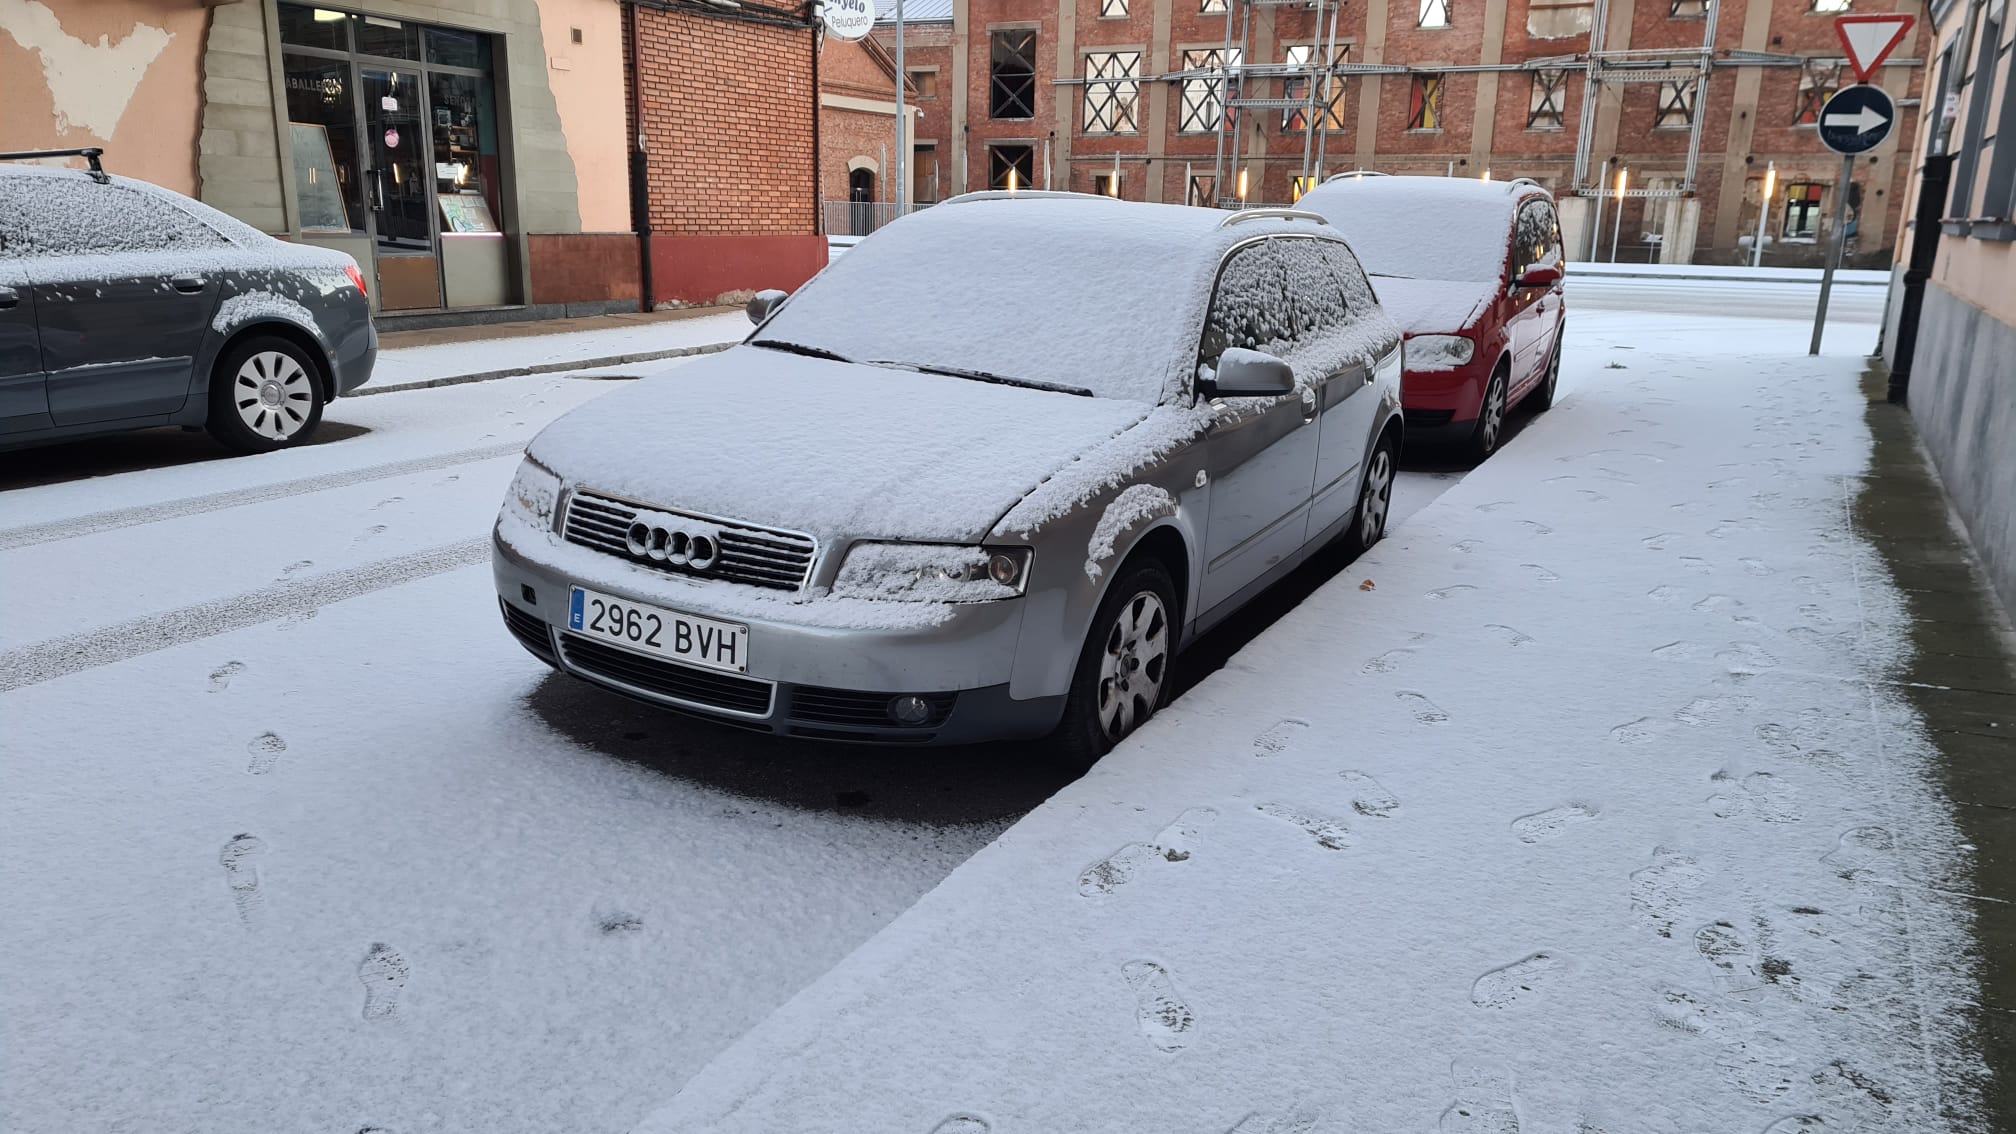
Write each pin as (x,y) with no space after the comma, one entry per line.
(1073,290)
(1442,228)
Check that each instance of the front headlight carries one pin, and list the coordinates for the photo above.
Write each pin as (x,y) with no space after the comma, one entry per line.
(534,495)
(1437,352)
(923,572)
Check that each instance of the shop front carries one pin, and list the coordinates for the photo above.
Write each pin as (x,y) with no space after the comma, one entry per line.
(393,136)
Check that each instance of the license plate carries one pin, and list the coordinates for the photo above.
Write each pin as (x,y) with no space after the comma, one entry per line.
(657,631)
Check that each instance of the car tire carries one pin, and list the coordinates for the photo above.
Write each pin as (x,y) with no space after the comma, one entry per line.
(1542,397)
(1490,419)
(265,394)
(1375,496)
(1124,668)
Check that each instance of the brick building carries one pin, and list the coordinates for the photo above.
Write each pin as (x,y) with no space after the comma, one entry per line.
(1130,96)
(857,134)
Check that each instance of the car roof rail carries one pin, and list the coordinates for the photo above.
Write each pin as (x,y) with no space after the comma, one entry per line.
(1526,181)
(1355,173)
(90,154)
(1018,194)
(1243,215)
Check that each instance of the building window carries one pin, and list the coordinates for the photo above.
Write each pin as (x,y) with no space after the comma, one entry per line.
(1295,120)
(1112,93)
(1013,86)
(1817,82)
(1549,96)
(1425,105)
(926,83)
(1112,9)
(1434,14)
(1204,95)
(1211,7)
(1297,186)
(1011,166)
(1676,104)
(1802,212)
(1831,6)
(1688,10)
(1202,189)
(1106,184)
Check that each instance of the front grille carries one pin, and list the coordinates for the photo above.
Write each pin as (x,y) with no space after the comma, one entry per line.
(849,707)
(705,688)
(763,557)
(1424,418)
(530,631)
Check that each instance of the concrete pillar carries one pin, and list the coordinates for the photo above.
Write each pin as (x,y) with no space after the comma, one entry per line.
(1679,227)
(1574,214)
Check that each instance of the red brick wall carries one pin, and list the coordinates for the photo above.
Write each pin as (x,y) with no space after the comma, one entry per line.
(583,267)
(927,46)
(847,134)
(728,112)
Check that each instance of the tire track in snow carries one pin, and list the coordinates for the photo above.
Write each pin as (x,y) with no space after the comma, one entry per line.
(31,534)
(59,657)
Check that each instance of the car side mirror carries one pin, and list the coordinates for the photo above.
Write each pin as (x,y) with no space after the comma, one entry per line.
(763,303)
(1541,275)
(1243,373)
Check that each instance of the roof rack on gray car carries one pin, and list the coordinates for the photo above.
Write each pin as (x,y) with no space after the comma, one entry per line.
(90,154)
(1355,173)
(1018,194)
(1272,214)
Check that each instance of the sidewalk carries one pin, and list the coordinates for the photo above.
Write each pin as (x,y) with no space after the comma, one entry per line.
(447,356)
(1733,273)
(1599,799)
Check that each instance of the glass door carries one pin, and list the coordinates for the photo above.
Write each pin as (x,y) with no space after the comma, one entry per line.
(399,187)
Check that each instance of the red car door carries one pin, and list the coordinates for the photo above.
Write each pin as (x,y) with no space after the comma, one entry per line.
(1535,312)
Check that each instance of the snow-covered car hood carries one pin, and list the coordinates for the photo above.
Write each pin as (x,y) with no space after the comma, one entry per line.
(1433,307)
(837,450)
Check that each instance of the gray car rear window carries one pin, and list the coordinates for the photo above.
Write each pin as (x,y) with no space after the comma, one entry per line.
(62,216)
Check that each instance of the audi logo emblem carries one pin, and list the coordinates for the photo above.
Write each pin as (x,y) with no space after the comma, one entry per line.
(695,550)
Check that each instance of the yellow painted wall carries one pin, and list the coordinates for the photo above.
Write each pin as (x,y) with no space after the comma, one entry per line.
(122,74)
(587,83)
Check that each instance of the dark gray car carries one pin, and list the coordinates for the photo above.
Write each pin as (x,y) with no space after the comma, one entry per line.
(126,306)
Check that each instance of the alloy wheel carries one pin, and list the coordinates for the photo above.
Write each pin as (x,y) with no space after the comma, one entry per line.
(1378,497)
(1133,665)
(273,395)
(1494,415)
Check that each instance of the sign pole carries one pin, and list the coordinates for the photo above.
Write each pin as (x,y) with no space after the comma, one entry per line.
(1834,248)
(902,124)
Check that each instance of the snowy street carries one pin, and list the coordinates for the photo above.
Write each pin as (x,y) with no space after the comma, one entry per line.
(298,838)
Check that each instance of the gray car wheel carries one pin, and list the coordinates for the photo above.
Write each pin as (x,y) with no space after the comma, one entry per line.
(1375,497)
(1123,673)
(265,394)
(1490,419)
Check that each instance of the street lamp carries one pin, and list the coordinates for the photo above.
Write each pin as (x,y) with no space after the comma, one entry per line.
(1011,180)
(1763,213)
(1617,226)
(1242,187)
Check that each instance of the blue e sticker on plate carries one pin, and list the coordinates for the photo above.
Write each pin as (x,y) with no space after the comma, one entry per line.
(575,603)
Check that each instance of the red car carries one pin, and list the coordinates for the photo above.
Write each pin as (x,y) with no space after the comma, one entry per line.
(1472,271)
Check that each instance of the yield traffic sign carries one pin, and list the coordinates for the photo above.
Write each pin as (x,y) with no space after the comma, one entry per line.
(1870,40)
(1856,119)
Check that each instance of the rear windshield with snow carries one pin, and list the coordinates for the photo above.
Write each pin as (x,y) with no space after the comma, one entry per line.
(45,215)
(1424,232)
(1107,299)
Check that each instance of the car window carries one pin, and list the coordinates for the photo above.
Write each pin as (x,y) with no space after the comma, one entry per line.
(1250,307)
(1536,239)
(1314,293)
(62,216)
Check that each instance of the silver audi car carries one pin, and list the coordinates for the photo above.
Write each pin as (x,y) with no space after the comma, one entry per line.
(982,478)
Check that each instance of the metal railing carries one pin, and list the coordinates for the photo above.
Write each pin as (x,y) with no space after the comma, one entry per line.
(859,218)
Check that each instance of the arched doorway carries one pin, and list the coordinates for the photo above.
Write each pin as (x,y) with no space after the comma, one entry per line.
(861,198)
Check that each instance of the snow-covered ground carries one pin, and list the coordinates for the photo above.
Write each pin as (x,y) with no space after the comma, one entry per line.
(295,837)
(406,367)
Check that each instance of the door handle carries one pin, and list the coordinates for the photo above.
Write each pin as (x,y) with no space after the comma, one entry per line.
(188,285)
(8,297)
(1309,401)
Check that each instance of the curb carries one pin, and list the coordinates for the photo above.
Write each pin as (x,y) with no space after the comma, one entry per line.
(542,368)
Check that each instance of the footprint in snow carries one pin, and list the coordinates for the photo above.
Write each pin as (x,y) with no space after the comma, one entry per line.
(1756,566)
(387,502)
(1644,730)
(1862,853)
(1552,823)
(295,568)
(1675,651)
(1512,637)
(1280,736)
(1759,794)
(1466,546)
(368,533)
(1539,529)
(1594,496)
(962,1124)
(1159,1010)
(1450,592)
(1494,505)
(1666,593)
(383,974)
(1714,603)
(220,678)
(1747,658)
(265,749)
(1330,834)
(1484,1101)
(1799,1124)
(1541,574)
(1660,892)
(1658,542)
(1424,710)
(1386,662)
(1505,986)
(1703,711)
(296,619)
(1696,564)
(1175,843)
(1367,796)
(243,877)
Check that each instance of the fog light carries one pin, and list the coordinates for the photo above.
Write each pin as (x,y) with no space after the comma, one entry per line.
(909,709)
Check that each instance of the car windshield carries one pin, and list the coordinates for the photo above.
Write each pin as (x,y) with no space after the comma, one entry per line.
(1077,300)
(1414,235)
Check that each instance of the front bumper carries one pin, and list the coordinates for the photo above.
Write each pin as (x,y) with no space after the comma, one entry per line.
(806,681)
(1442,405)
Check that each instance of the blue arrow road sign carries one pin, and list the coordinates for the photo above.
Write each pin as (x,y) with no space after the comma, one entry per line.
(1856,119)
